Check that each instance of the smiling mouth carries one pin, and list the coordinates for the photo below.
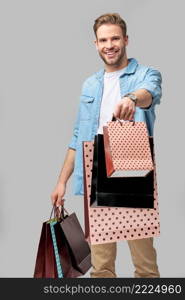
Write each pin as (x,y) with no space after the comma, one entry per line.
(111,54)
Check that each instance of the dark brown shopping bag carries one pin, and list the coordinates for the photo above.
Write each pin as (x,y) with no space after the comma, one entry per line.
(72,264)
(75,238)
(45,266)
(66,259)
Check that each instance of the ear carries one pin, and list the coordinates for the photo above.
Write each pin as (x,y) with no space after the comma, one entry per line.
(96,44)
(126,40)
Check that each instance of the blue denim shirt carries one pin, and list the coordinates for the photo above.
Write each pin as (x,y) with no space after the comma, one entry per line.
(135,76)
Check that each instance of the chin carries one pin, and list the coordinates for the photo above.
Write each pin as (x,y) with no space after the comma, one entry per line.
(112,63)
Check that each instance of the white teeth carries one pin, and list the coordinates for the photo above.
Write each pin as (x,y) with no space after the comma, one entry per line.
(111,52)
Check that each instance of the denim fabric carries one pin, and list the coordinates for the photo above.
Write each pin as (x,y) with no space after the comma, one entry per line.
(134,77)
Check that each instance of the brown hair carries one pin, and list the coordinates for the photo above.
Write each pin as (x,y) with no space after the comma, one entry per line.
(110,19)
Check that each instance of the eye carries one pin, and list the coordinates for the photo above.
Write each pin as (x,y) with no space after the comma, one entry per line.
(116,38)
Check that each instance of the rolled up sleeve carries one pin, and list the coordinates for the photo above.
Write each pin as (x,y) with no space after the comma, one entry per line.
(152,83)
(73,141)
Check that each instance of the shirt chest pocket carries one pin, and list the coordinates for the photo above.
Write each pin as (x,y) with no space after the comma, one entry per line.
(86,107)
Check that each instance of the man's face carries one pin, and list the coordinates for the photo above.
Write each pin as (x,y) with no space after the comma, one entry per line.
(111,44)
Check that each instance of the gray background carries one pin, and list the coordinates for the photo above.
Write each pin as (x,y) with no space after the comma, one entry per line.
(46,52)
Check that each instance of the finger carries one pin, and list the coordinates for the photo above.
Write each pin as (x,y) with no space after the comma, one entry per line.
(53,199)
(127,113)
(117,110)
(123,113)
(130,114)
(60,201)
(130,111)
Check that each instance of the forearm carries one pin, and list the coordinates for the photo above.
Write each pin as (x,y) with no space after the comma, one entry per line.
(144,98)
(68,166)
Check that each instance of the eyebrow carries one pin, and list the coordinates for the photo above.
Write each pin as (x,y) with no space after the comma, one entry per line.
(114,36)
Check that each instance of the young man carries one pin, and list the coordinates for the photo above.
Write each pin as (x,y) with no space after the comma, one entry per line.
(127,89)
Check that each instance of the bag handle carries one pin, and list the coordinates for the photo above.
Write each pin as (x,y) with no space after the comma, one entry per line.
(121,121)
(63,209)
(54,210)
(57,213)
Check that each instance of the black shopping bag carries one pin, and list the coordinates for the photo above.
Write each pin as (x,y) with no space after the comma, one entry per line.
(133,192)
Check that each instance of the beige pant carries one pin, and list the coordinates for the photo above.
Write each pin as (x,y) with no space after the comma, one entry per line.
(143,254)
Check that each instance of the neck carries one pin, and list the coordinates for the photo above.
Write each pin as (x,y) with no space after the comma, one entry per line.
(113,68)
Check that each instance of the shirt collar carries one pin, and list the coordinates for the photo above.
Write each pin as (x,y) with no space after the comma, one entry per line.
(131,68)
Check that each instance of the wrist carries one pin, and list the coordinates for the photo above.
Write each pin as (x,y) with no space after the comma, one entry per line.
(60,181)
(132,97)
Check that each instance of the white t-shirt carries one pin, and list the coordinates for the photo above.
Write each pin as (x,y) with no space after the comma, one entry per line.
(111,96)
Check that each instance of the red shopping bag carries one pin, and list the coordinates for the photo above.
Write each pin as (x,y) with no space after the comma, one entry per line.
(127,149)
(45,266)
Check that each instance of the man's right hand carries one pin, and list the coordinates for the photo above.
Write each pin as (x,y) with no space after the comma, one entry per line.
(58,194)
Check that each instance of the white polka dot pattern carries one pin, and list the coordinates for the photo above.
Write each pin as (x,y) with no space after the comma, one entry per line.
(108,224)
(129,146)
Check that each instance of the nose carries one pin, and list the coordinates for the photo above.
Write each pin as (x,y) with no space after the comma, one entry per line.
(109,44)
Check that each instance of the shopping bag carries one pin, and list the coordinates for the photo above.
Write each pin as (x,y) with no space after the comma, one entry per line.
(112,224)
(57,256)
(69,270)
(45,266)
(55,259)
(127,149)
(78,246)
(136,192)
